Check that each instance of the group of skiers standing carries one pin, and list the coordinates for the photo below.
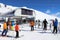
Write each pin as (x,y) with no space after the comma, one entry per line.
(8,24)
(32,23)
(55,25)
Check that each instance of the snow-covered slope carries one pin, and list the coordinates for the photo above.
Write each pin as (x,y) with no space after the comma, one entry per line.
(11,7)
(2,5)
(6,8)
(37,34)
(38,14)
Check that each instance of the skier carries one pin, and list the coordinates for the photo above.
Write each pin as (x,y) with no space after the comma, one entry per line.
(17,30)
(55,25)
(4,29)
(38,23)
(7,24)
(50,23)
(32,25)
(35,23)
(45,24)
(53,22)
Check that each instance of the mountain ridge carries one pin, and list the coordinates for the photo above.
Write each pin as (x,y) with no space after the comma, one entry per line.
(39,15)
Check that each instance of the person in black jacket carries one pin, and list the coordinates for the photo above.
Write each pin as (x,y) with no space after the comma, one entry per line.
(38,23)
(45,24)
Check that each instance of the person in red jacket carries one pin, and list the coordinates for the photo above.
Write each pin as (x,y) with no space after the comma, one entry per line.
(17,30)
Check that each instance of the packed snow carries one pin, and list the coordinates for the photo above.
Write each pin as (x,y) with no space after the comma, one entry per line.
(37,34)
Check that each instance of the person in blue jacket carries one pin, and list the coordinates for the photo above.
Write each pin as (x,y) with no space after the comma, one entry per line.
(55,25)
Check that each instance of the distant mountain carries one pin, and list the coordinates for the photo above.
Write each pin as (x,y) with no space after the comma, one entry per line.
(7,6)
(38,14)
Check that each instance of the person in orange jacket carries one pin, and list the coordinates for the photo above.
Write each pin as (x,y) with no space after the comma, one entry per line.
(32,25)
(4,29)
(17,30)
